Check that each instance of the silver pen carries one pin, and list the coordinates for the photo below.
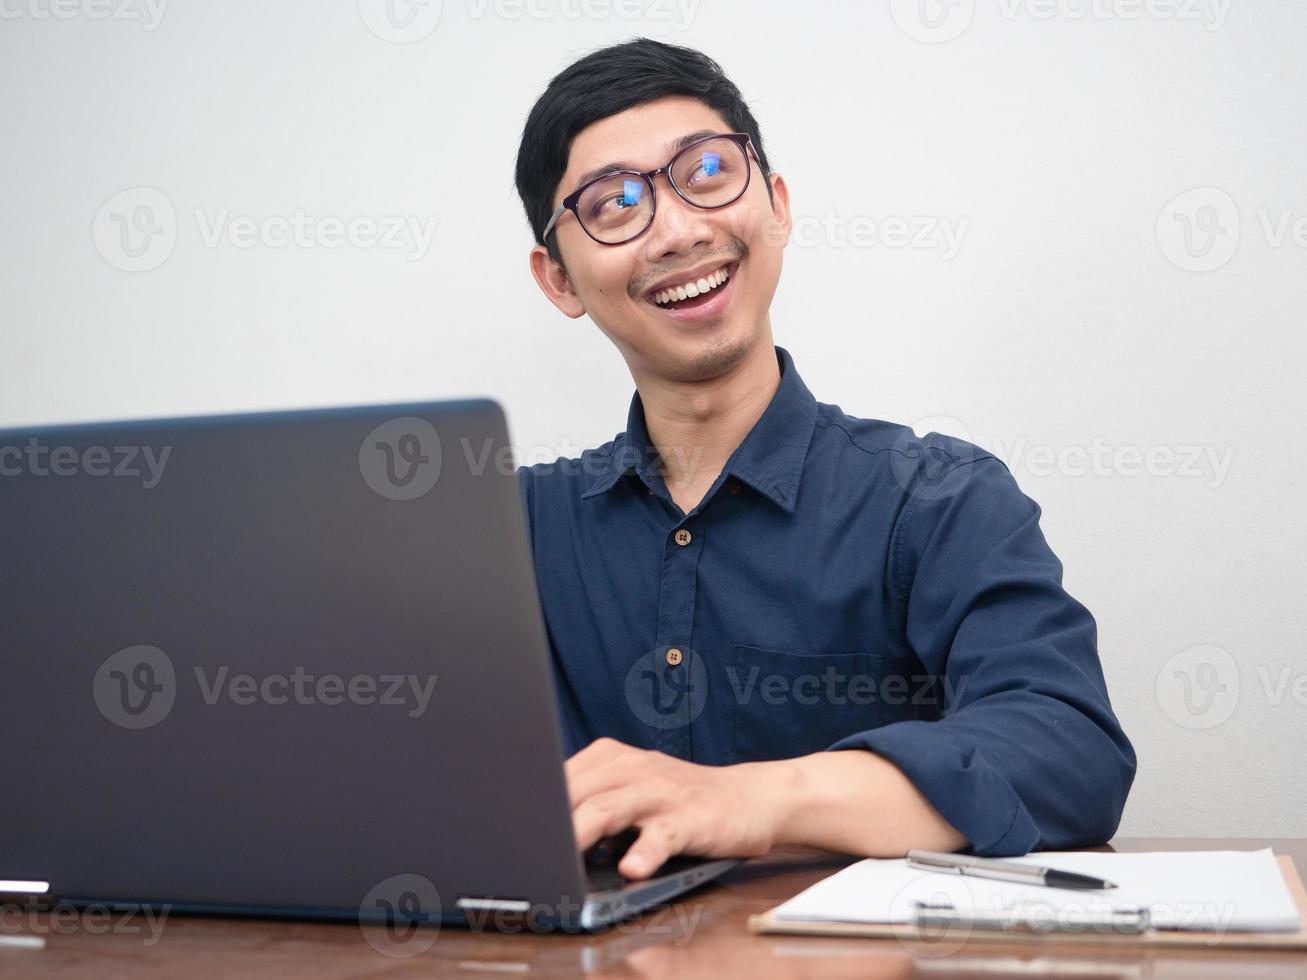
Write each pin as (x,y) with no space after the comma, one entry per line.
(978,867)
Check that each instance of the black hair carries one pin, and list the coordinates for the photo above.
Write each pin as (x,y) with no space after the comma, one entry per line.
(602,84)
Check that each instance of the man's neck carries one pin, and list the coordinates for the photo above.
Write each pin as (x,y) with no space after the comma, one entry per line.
(695,426)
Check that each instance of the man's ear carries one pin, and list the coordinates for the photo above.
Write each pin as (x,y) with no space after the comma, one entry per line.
(554,282)
(782,219)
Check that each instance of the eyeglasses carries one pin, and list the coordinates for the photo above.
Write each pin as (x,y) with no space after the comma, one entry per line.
(616,207)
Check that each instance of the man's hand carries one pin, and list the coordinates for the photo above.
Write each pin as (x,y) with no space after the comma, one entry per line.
(680,807)
(851,801)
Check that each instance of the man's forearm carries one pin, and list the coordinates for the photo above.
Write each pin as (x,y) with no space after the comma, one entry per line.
(854,802)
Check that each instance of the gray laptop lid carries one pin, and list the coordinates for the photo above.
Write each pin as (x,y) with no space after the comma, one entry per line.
(278,662)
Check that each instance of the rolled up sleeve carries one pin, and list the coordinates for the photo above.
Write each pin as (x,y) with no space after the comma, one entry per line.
(1027,753)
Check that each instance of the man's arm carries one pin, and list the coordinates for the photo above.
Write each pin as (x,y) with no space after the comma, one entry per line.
(1027,752)
(831,795)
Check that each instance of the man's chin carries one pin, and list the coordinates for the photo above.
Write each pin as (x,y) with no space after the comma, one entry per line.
(708,355)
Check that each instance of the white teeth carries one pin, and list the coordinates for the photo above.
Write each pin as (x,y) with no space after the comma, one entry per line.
(710,281)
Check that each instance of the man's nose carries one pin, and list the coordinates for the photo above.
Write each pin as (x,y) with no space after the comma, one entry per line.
(678,226)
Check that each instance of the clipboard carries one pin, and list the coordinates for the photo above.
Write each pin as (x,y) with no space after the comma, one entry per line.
(1128,928)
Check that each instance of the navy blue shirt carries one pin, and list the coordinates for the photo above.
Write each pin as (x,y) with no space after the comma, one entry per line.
(844,584)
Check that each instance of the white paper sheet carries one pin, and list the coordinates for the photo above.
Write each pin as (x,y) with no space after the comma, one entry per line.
(1237,891)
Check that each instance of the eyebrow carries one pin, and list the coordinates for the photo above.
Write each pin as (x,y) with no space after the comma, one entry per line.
(673,148)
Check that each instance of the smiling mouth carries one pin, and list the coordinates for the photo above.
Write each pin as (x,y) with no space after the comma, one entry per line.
(695,293)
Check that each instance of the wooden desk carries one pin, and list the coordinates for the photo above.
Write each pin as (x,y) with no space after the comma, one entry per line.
(702,935)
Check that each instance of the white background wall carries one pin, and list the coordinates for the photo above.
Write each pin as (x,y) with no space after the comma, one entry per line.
(1071,324)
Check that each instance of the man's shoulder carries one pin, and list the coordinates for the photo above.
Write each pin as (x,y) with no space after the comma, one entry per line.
(585,468)
(885,442)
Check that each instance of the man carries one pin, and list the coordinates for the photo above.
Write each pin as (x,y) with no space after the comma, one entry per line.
(772,622)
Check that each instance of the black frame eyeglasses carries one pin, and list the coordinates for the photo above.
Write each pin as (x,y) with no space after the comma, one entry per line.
(635,195)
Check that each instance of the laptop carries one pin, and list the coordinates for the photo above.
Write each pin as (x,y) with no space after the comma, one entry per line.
(288,664)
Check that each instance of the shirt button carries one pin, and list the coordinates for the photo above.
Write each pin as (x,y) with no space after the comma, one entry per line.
(682,537)
(733,487)
(673,656)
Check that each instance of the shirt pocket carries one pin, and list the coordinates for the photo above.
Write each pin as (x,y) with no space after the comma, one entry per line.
(790,704)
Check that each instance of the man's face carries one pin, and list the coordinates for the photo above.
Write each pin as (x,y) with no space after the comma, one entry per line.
(616,284)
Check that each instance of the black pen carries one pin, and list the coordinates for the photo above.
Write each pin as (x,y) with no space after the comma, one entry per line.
(978,867)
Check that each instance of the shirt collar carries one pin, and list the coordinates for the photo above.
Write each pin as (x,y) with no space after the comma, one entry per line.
(770,459)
